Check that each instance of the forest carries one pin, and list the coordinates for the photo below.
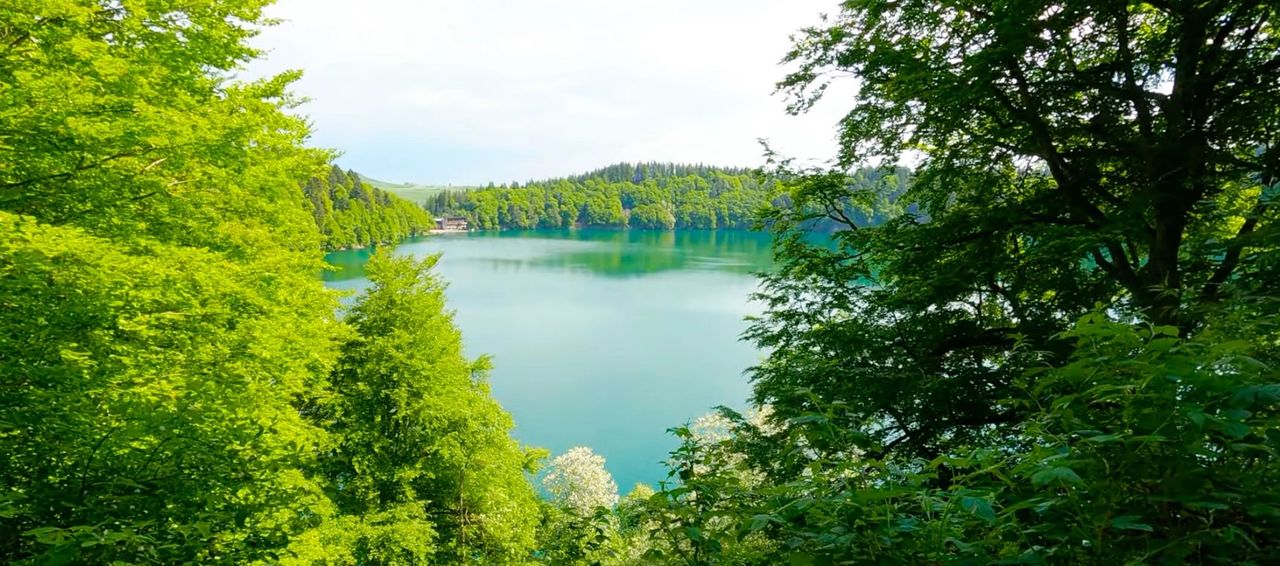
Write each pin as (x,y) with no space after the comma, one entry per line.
(1054,340)
(353,214)
(647,196)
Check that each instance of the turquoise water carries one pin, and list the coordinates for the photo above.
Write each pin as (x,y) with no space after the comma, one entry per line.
(600,338)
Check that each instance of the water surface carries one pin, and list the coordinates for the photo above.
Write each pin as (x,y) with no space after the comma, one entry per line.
(599,338)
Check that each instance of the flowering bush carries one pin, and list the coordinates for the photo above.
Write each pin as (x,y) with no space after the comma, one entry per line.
(577,480)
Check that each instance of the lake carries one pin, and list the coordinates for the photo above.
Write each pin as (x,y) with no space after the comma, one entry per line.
(600,338)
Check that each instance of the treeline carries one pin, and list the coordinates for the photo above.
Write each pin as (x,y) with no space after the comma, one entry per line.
(648,196)
(177,386)
(353,214)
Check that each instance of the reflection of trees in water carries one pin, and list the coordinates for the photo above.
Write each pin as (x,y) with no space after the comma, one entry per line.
(346,264)
(635,253)
(610,253)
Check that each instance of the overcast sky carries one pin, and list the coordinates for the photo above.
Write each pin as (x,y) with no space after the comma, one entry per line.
(472,91)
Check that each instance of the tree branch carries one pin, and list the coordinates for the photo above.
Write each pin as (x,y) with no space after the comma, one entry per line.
(1231,260)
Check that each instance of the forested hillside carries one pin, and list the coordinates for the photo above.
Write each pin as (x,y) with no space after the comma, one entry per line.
(650,196)
(352,214)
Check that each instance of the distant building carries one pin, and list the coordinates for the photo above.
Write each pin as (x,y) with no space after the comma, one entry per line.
(451,223)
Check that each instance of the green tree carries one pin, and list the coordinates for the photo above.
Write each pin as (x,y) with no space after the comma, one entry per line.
(1063,350)
(652,217)
(419,434)
(1049,183)
(166,346)
(151,409)
(653,196)
(352,214)
(120,118)
(163,331)
(1141,135)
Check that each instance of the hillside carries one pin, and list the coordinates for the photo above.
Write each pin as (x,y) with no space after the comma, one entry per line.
(352,213)
(412,192)
(655,196)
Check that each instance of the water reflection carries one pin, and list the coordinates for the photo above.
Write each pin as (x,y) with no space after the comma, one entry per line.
(610,253)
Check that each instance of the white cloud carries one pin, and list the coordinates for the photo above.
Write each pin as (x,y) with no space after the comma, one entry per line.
(478,90)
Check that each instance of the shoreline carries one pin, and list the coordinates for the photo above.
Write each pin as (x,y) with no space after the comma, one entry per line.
(435,231)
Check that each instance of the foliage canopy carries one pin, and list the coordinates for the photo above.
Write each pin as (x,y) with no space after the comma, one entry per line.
(647,196)
(177,387)
(1064,351)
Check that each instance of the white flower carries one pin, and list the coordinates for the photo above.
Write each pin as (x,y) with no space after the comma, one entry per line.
(577,480)
(711,429)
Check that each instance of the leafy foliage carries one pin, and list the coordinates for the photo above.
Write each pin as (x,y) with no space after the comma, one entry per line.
(162,327)
(119,118)
(1055,341)
(177,387)
(420,435)
(1143,448)
(1065,352)
(353,214)
(150,412)
(651,196)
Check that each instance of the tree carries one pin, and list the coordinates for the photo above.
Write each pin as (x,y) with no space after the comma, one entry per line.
(1063,348)
(166,346)
(154,403)
(580,525)
(1146,130)
(1071,155)
(651,217)
(164,334)
(121,119)
(577,480)
(1143,446)
(670,196)
(368,216)
(419,435)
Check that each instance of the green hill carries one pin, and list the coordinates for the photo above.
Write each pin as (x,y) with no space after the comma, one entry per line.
(656,196)
(411,191)
(352,213)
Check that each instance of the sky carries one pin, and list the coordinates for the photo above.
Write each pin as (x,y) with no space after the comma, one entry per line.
(466,92)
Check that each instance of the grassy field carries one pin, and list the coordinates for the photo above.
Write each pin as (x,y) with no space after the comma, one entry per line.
(411,191)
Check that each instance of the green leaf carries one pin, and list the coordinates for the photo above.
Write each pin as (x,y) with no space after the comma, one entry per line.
(761,521)
(1056,474)
(960,545)
(980,507)
(802,559)
(1216,505)
(1130,523)
(694,533)
(1235,430)
(806,419)
(1104,438)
